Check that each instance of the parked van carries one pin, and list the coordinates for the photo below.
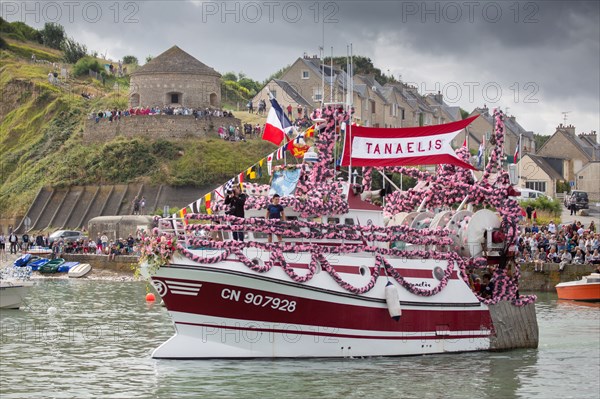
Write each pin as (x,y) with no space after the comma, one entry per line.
(527,194)
(580,198)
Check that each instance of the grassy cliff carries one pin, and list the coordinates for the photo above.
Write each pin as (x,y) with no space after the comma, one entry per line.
(41,142)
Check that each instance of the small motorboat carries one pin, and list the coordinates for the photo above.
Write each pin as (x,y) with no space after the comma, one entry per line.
(586,289)
(35,264)
(35,250)
(80,270)
(23,260)
(65,267)
(52,266)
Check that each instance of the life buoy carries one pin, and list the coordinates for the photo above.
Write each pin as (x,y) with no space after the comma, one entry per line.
(392,298)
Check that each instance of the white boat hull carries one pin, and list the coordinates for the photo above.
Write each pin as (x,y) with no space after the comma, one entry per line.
(80,270)
(13,293)
(227,310)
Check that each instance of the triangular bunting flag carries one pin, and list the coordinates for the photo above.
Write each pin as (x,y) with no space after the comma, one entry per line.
(207,203)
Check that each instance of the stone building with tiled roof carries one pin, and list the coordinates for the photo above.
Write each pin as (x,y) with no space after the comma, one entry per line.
(175,78)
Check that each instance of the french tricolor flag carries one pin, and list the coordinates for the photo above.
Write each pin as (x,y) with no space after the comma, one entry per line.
(277,124)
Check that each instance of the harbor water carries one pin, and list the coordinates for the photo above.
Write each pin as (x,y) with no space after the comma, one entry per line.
(82,338)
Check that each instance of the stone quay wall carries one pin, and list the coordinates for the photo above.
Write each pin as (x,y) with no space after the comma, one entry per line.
(545,281)
(121,263)
(168,127)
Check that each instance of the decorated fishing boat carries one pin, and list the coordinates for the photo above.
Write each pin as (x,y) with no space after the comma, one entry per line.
(358,271)
(587,289)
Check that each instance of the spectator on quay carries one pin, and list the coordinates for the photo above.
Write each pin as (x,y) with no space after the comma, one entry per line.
(25,242)
(538,260)
(551,227)
(13,240)
(572,205)
(104,240)
(579,257)
(529,211)
(565,259)
(136,205)
(143,205)
(592,227)
(2,246)
(553,256)
(595,259)
(535,228)
(587,258)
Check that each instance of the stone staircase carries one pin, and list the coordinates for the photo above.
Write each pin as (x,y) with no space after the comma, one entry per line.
(73,207)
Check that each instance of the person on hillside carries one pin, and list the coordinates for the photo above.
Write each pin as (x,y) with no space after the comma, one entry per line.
(236,201)
(289,111)
(275,212)
(592,227)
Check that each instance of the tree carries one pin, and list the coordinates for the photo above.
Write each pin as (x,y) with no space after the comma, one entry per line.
(130,59)
(149,58)
(540,140)
(230,76)
(73,51)
(53,35)
(464,114)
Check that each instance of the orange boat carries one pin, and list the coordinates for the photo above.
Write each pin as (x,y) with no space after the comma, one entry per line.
(586,289)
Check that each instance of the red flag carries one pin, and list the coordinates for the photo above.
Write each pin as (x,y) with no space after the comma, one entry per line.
(428,145)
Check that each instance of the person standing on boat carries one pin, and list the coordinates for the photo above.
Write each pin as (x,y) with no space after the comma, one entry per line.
(275,211)
(236,201)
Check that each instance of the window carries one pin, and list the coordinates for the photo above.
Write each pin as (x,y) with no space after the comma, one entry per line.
(536,185)
(274,92)
(372,107)
(175,98)
(317,94)
(349,222)
(305,75)
(402,113)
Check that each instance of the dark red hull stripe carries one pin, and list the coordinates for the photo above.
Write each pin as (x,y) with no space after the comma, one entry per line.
(408,273)
(229,302)
(324,290)
(334,335)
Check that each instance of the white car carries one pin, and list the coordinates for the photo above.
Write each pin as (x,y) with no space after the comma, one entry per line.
(527,194)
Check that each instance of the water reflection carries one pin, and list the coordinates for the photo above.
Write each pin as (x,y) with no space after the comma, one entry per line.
(98,343)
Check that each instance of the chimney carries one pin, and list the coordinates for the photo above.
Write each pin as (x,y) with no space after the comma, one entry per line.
(569,129)
(439,97)
(512,118)
(592,136)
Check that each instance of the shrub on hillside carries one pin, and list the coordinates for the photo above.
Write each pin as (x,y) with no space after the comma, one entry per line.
(53,35)
(73,51)
(3,44)
(20,31)
(130,59)
(85,64)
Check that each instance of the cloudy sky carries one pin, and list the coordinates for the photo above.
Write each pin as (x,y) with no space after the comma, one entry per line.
(536,59)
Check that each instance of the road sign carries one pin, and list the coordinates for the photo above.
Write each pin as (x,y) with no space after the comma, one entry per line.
(572,183)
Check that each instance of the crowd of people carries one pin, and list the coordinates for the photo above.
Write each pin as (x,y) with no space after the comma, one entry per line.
(565,244)
(115,114)
(102,245)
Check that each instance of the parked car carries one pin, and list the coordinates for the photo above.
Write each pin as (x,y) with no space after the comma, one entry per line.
(66,235)
(580,198)
(527,194)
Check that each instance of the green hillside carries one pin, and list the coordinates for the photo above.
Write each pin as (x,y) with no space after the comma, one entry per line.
(41,142)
